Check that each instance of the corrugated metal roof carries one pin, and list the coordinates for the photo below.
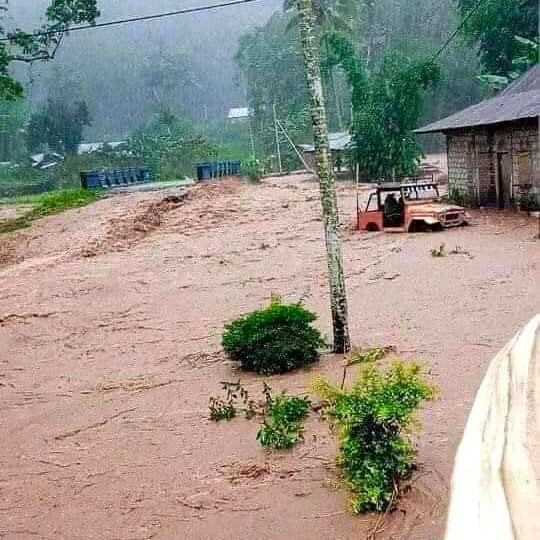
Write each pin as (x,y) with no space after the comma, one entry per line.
(238,112)
(518,101)
(88,148)
(337,141)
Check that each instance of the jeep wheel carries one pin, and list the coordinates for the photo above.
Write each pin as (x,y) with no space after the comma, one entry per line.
(418,225)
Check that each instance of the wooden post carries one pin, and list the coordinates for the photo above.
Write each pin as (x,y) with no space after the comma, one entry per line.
(277,139)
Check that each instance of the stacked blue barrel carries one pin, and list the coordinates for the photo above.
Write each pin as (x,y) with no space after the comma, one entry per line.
(115,177)
(217,169)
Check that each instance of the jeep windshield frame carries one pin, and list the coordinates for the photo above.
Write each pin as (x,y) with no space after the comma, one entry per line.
(410,192)
(425,191)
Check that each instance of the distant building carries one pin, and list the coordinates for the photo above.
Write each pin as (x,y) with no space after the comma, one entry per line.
(339,144)
(238,114)
(492,146)
(90,148)
(46,160)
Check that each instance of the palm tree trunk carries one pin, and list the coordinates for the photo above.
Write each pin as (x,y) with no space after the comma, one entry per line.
(338,297)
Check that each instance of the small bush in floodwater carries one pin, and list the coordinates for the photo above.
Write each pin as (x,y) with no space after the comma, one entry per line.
(277,339)
(374,418)
(283,427)
(236,397)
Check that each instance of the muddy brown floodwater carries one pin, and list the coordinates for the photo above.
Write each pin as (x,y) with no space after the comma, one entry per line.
(110,324)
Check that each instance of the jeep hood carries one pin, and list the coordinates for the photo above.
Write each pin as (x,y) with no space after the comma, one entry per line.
(433,208)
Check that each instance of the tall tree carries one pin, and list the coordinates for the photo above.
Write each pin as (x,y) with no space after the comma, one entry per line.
(43,43)
(494,25)
(330,16)
(271,65)
(387,105)
(338,297)
(59,126)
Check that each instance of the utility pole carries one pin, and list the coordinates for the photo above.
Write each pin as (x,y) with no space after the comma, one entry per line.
(293,146)
(251,139)
(277,138)
(327,183)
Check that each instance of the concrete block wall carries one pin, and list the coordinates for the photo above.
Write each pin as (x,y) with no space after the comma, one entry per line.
(460,174)
(473,162)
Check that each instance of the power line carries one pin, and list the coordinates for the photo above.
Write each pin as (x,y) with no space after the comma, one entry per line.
(470,13)
(137,19)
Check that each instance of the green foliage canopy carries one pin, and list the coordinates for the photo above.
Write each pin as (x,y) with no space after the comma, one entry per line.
(494,26)
(387,105)
(59,125)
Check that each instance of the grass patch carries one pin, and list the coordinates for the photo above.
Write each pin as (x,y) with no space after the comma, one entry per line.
(437,252)
(46,204)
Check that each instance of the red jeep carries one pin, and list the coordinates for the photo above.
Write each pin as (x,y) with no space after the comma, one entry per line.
(408,207)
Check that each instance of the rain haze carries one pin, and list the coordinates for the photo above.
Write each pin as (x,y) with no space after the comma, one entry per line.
(113,65)
(269,270)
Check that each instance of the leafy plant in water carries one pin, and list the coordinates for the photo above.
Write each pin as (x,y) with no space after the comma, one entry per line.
(283,415)
(438,252)
(226,409)
(253,169)
(375,417)
(282,427)
(277,339)
(368,355)
(221,410)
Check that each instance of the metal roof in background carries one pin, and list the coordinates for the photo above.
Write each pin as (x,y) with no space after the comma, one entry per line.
(338,141)
(238,112)
(520,100)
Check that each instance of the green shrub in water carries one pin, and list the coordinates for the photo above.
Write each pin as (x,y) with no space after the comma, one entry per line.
(277,339)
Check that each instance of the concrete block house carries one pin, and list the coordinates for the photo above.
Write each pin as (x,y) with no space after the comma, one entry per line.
(492,146)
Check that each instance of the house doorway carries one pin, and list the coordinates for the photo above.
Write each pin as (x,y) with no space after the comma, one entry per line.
(504,180)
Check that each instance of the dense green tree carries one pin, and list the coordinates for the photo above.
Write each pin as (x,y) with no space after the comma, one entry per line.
(494,25)
(22,46)
(170,145)
(271,66)
(58,126)
(387,104)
